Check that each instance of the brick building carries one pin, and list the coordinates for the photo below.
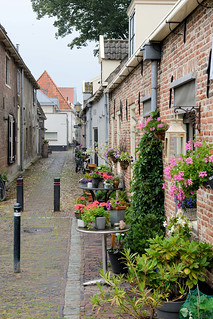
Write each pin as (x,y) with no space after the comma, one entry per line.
(168,71)
(20,121)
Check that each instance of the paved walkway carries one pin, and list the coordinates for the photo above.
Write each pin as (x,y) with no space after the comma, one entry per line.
(55,258)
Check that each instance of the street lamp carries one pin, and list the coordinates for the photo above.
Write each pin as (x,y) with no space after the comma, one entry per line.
(78,107)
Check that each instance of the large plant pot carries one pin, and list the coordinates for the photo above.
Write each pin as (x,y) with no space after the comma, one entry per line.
(169,310)
(100,222)
(117,215)
(95,182)
(45,150)
(117,262)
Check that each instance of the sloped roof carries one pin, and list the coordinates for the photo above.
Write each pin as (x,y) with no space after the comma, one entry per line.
(68,93)
(115,49)
(45,100)
(16,56)
(49,88)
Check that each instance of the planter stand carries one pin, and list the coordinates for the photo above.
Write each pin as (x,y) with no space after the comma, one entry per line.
(169,310)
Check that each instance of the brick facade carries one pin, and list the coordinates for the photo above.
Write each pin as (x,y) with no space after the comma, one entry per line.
(178,60)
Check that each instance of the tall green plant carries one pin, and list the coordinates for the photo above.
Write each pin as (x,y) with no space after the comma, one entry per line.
(146,213)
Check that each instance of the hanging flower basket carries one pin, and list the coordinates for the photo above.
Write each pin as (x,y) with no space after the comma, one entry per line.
(124,164)
(113,159)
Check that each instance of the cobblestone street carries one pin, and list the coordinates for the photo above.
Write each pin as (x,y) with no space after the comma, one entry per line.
(55,259)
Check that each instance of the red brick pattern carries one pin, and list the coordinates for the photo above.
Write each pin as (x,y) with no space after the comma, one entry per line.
(178,59)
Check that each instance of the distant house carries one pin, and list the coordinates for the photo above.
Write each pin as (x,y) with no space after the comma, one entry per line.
(20,119)
(95,111)
(56,124)
(66,98)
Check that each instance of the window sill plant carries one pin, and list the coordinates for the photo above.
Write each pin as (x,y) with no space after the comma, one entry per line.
(191,171)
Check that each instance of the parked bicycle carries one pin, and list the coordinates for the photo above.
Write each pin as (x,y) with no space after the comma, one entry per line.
(2,189)
(81,160)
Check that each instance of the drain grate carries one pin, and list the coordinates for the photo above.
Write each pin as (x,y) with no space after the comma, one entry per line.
(38,230)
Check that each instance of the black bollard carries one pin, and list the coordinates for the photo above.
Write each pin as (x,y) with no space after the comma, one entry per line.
(17,235)
(20,192)
(56,194)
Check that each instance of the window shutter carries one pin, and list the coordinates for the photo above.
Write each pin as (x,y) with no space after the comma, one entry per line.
(14,140)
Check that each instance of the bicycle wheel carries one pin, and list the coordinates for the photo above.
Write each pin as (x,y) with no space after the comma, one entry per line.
(2,190)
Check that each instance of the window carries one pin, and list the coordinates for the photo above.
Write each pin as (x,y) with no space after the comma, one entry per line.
(132,34)
(7,70)
(146,100)
(34,97)
(11,139)
(51,136)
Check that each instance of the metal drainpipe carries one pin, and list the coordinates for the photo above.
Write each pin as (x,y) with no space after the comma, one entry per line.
(106,99)
(154,75)
(90,124)
(22,120)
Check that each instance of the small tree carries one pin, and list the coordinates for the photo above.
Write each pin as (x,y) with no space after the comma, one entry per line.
(146,213)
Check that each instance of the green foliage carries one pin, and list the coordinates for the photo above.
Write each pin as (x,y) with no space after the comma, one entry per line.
(89,18)
(100,195)
(148,195)
(197,306)
(103,169)
(126,296)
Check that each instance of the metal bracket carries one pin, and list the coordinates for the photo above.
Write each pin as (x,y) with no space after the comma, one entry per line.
(184,28)
(193,115)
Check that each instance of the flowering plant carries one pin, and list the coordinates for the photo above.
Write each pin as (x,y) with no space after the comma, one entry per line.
(190,171)
(83,181)
(112,153)
(107,176)
(80,204)
(125,156)
(96,209)
(95,174)
(179,225)
(153,123)
(113,204)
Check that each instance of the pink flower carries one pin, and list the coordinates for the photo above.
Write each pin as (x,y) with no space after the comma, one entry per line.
(190,182)
(148,120)
(202,174)
(188,145)
(167,171)
(211,158)
(189,160)
(205,160)
(142,125)
(164,186)
(160,125)
(173,161)
(152,128)
(197,144)
(159,119)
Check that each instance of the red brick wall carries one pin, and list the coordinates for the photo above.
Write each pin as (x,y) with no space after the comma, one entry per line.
(7,106)
(178,59)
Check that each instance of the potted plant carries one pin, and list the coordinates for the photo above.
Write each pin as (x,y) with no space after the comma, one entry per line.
(116,256)
(80,204)
(117,210)
(189,172)
(128,296)
(125,159)
(153,124)
(173,265)
(116,181)
(112,154)
(96,178)
(189,207)
(96,213)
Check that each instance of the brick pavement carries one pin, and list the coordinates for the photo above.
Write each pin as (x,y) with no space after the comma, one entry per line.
(54,264)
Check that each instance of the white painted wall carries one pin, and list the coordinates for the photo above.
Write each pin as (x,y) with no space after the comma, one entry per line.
(57,124)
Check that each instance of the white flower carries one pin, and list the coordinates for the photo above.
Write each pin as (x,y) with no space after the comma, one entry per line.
(164,224)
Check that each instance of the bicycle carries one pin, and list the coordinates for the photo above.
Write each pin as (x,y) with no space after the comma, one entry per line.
(81,161)
(2,190)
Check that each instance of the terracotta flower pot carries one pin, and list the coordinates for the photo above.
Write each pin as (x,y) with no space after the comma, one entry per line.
(116,183)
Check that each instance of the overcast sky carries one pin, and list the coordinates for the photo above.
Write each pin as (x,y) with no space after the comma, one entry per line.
(40,49)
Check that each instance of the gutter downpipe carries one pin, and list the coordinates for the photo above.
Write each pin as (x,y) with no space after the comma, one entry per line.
(106,99)
(90,123)
(22,120)
(154,75)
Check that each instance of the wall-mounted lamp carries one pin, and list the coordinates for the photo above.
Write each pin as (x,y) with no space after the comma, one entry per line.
(175,139)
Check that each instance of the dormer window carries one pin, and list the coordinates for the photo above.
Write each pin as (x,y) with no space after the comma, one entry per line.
(132,34)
